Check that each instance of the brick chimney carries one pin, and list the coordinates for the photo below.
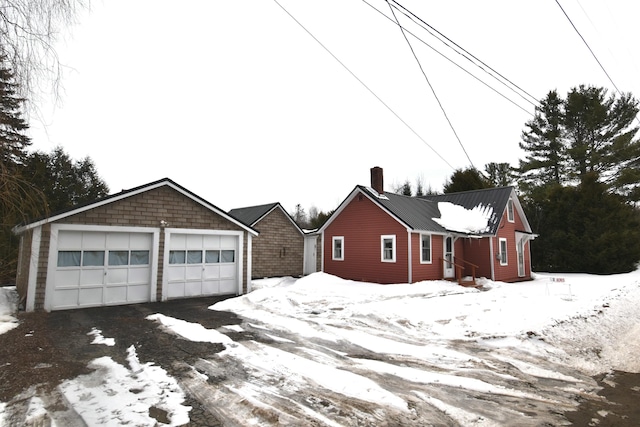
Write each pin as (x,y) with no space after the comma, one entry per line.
(377,179)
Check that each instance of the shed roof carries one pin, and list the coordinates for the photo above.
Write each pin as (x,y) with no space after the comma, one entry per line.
(252,215)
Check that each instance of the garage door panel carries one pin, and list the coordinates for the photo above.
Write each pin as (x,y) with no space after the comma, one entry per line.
(193,289)
(70,240)
(118,240)
(91,277)
(211,241)
(139,276)
(211,272)
(194,241)
(210,287)
(90,296)
(138,293)
(115,294)
(175,290)
(65,298)
(117,276)
(94,240)
(228,286)
(228,271)
(176,273)
(65,278)
(194,272)
(228,242)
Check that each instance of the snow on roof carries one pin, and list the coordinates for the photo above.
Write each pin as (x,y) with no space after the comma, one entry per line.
(457,218)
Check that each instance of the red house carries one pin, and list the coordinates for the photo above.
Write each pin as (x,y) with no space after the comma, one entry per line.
(382,237)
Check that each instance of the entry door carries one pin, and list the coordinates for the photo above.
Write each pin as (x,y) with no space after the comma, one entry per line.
(310,254)
(520,249)
(449,268)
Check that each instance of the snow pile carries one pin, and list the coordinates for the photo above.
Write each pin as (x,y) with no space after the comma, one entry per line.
(457,218)
(99,339)
(116,395)
(8,307)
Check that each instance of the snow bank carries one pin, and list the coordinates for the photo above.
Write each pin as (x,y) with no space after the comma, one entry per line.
(8,307)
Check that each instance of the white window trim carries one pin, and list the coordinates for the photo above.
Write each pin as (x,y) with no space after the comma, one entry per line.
(392,237)
(510,211)
(504,260)
(333,248)
(430,260)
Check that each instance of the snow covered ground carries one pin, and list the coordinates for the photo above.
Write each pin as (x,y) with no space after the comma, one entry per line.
(328,352)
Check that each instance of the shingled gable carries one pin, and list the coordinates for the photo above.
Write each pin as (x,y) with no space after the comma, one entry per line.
(251,215)
(280,248)
(129,193)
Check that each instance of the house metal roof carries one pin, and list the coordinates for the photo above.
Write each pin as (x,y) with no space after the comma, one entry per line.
(418,213)
(495,198)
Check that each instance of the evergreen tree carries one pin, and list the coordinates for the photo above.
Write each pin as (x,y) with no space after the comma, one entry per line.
(13,140)
(544,143)
(64,182)
(465,180)
(499,174)
(586,229)
(586,132)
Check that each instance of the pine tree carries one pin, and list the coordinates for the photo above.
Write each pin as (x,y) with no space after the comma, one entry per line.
(465,180)
(499,174)
(13,140)
(544,143)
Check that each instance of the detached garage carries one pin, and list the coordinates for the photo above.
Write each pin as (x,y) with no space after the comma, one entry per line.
(152,243)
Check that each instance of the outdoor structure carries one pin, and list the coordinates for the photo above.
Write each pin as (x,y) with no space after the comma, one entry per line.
(151,243)
(282,249)
(389,238)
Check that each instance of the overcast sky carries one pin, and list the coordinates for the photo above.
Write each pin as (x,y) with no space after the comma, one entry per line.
(235,101)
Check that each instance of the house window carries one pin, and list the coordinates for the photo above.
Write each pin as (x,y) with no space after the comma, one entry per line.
(338,248)
(503,252)
(425,248)
(388,248)
(510,210)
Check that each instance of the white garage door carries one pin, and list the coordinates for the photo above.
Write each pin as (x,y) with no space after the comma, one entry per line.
(199,265)
(101,268)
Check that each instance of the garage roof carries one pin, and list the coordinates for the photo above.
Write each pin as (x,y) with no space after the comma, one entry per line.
(131,192)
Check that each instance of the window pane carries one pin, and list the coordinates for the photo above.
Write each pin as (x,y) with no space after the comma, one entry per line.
(92,258)
(426,248)
(118,257)
(176,257)
(139,257)
(228,256)
(337,249)
(387,245)
(194,257)
(212,257)
(68,258)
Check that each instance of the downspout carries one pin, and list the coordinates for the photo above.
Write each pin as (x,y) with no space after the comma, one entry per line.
(410,269)
(322,252)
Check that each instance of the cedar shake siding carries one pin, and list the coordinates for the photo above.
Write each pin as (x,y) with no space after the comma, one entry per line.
(362,223)
(279,249)
(141,209)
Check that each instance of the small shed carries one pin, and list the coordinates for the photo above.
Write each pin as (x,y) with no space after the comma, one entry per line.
(151,243)
(280,250)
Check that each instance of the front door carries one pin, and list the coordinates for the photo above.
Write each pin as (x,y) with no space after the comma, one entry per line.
(449,268)
(520,249)
(310,254)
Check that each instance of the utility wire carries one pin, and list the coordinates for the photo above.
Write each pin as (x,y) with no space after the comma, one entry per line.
(588,47)
(431,86)
(458,65)
(364,84)
(414,17)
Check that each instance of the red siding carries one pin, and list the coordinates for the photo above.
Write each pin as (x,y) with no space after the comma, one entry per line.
(432,271)
(507,230)
(362,223)
(478,252)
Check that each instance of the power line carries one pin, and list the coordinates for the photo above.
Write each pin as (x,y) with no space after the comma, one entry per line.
(459,66)
(431,87)
(363,84)
(414,17)
(588,47)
